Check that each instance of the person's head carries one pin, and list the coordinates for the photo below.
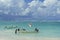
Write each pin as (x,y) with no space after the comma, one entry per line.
(18,29)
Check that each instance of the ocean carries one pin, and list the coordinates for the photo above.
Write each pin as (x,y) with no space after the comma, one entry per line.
(47,31)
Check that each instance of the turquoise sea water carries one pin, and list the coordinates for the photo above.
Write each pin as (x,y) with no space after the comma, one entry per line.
(46,29)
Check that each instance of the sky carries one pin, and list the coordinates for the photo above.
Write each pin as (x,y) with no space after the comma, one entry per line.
(29,9)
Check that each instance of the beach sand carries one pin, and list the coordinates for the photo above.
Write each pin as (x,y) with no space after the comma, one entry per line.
(27,38)
(9,35)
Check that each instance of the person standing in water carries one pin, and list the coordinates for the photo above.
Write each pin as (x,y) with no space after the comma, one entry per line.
(17,31)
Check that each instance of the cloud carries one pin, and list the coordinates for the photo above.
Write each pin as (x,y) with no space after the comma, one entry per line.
(15,7)
(46,8)
(58,10)
(5,2)
(58,7)
(33,3)
(35,8)
(49,2)
(21,3)
(32,7)
(22,6)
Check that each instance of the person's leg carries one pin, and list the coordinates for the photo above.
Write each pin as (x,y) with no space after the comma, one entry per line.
(16,31)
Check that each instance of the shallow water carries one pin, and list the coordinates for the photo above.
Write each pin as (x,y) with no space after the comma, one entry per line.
(47,31)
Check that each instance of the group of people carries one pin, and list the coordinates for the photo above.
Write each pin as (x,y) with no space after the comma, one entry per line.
(17,30)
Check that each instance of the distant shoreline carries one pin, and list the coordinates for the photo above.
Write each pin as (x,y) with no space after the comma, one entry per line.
(31,21)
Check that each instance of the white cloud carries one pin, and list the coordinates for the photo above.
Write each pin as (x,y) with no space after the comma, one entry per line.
(2,1)
(58,10)
(5,2)
(36,7)
(49,2)
(9,4)
(58,7)
(32,7)
(21,3)
(33,3)
(37,10)
(26,11)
